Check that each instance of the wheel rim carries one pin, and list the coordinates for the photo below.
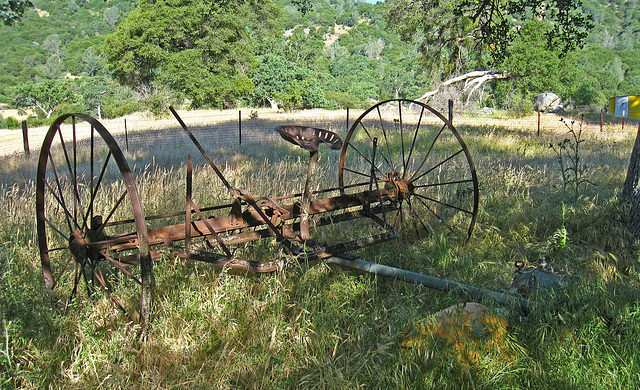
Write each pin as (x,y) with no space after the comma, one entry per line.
(86,193)
(420,154)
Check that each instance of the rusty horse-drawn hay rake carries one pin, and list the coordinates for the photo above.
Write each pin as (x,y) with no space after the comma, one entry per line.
(403,168)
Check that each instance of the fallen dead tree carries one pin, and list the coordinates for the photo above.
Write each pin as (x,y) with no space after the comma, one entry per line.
(472,81)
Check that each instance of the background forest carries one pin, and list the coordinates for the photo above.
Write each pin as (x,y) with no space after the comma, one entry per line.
(112,57)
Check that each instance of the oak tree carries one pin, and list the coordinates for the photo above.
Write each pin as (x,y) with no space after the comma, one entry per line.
(452,27)
(45,96)
(199,48)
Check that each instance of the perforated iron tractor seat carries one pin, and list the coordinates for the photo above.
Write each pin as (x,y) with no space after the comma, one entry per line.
(309,138)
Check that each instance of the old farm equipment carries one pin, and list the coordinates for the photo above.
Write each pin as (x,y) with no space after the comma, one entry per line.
(403,169)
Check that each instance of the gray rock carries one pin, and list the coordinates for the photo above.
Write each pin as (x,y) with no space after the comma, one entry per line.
(548,102)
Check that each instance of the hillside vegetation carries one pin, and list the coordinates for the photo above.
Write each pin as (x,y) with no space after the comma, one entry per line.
(341,54)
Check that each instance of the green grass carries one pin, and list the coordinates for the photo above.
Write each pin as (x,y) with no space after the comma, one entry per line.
(323,326)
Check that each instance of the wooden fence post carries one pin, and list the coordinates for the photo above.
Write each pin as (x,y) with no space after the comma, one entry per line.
(538,121)
(347,119)
(451,111)
(126,134)
(25,139)
(239,127)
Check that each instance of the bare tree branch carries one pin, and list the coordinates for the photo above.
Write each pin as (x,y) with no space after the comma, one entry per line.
(473,81)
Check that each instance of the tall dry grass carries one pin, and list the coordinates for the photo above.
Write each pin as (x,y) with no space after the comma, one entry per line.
(322,326)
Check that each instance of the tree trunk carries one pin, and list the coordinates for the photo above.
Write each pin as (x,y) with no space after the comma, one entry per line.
(274,104)
(631,190)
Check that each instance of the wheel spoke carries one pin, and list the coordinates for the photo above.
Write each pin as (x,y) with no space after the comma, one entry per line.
(417,216)
(413,142)
(62,271)
(426,157)
(367,159)
(115,207)
(89,280)
(386,141)
(73,177)
(118,265)
(444,204)
(98,275)
(61,202)
(78,271)
(445,183)
(358,173)
(52,250)
(438,165)
(94,190)
(404,162)
(56,229)
(371,139)
(440,219)
(75,167)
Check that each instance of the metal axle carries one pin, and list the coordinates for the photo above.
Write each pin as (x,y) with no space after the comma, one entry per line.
(472,292)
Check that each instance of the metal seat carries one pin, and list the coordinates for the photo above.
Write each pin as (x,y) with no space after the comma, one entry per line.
(309,138)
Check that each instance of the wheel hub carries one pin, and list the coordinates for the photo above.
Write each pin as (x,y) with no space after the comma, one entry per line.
(404,186)
(80,244)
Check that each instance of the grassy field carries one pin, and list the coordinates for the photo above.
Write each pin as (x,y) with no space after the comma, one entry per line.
(324,326)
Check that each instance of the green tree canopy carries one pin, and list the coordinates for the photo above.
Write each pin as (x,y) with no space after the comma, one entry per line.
(11,10)
(535,66)
(45,95)
(447,28)
(196,47)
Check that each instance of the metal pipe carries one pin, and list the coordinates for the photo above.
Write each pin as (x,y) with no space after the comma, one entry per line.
(472,292)
(306,197)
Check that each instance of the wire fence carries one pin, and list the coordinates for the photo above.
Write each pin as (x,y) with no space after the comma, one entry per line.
(222,127)
(237,127)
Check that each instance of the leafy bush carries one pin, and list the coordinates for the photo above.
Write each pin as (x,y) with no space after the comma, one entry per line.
(11,123)
(113,109)
(588,94)
(33,121)
(158,101)
(343,99)
(519,105)
(68,108)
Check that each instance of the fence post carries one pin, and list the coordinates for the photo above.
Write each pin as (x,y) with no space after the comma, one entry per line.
(25,139)
(126,134)
(240,127)
(601,120)
(347,119)
(451,111)
(623,113)
(538,121)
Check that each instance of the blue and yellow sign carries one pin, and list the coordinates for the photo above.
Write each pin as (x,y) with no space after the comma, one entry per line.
(625,106)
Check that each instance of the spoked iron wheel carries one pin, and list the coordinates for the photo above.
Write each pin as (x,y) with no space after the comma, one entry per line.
(87,206)
(409,146)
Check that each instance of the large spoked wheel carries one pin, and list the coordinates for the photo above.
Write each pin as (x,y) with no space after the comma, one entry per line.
(90,222)
(409,147)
